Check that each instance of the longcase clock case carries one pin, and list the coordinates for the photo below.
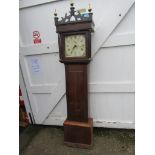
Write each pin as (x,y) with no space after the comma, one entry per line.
(78,128)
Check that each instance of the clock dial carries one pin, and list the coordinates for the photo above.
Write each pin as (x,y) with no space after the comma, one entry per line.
(75,46)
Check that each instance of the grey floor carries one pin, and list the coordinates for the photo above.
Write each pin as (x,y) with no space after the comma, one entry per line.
(48,140)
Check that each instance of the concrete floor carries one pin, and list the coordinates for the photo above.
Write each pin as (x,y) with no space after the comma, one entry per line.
(48,140)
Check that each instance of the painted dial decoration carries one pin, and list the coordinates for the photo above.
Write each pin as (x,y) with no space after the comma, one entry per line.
(75,46)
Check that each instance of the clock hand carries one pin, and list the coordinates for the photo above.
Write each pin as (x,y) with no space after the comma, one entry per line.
(74,42)
(73,49)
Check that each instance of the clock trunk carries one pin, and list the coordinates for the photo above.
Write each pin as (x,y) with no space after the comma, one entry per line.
(77,92)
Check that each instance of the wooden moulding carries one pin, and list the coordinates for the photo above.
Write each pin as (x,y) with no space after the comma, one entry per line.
(78,134)
(75,27)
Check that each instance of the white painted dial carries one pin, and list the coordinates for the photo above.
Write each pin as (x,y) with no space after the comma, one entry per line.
(75,46)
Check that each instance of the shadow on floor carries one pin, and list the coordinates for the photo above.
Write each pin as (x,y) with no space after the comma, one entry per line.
(48,140)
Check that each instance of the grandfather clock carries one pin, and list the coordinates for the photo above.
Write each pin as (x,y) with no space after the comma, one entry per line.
(74,39)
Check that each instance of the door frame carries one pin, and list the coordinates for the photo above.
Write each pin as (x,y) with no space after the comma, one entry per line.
(25,96)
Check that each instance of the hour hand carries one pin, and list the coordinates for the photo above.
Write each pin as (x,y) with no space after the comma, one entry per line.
(74,42)
(73,49)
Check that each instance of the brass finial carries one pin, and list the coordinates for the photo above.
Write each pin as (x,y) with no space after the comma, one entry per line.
(89,8)
(55,13)
(71,3)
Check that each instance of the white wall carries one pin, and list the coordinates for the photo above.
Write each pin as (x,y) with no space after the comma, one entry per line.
(111,72)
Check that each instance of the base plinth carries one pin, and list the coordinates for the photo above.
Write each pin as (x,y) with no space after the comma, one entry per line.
(78,134)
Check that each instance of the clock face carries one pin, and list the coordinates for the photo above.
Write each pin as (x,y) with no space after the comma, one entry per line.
(75,46)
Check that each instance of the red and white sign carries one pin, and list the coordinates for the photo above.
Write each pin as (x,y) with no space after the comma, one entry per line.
(36,36)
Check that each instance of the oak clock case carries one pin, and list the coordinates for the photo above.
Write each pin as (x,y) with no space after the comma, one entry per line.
(74,39)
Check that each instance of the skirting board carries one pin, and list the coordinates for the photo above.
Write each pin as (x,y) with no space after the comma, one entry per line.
(96,123)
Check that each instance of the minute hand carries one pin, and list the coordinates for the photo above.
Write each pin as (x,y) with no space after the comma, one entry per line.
(73,49)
